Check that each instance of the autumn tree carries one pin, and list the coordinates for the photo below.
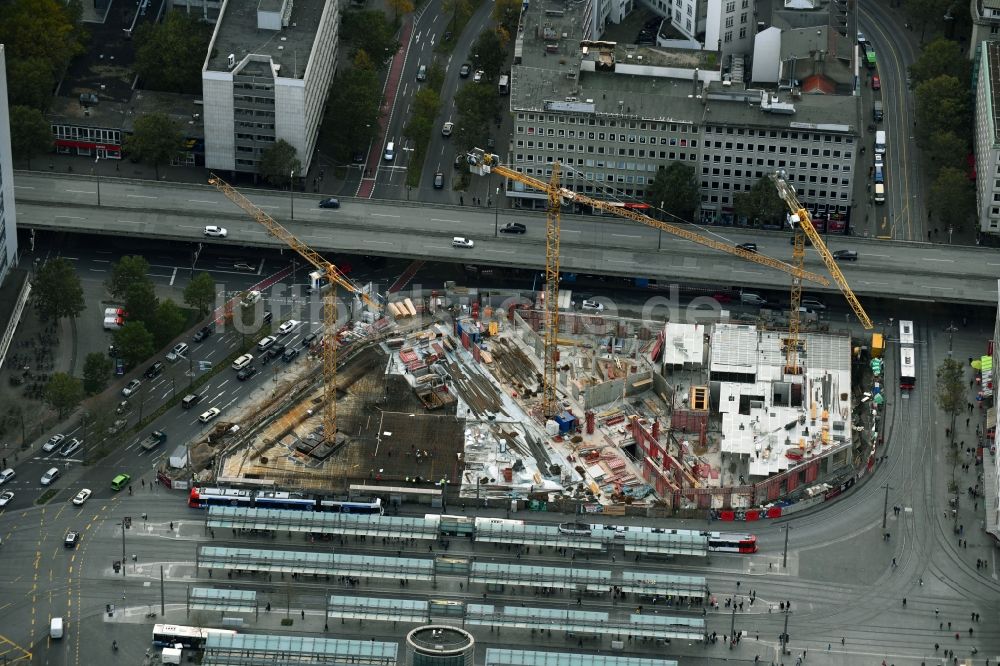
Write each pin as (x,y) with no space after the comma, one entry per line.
(675,191)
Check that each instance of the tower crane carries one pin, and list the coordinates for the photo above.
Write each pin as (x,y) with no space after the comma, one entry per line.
(483,163)
(332,274)
(802,222)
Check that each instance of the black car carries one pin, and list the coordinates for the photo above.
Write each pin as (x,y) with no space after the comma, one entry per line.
(72,538)
(513,228)
(290,354)
(246,373)
(153,371)
(202,333)
(465,70)
(358,157)
(438,180)
(276,350)
(749,247)
(309,340)
(845,255)
(330,202)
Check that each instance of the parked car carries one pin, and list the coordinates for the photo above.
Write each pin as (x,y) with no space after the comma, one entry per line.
(465,70)
(153,371)
(845,255)
(53,442)
(50,476)
(82,497)
(6,475)
(876,82)
(513,228)
(202,334)
(131,388)
(215,232)
(329,202)
(246,373)
(6,497)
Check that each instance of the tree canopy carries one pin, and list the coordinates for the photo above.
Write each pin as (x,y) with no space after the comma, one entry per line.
(946,149)
(278,161)
(57,290)
(63,392)
(96,370)
(141,303)
(352,111)
(488,54)
(126,272)
(163,55)
(675,190)
(155,140)
(370,31)
(942,105)
(952,199)
(476,107)
(200,292)
(135,342)
(761,205)
(941,57)
(951,387)
(168,322)
(30,133)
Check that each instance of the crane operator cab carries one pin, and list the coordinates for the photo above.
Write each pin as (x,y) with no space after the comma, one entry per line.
(481,162)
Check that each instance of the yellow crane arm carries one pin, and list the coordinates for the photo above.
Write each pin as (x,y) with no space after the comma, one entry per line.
(787,193)
(332,273)
(489,165)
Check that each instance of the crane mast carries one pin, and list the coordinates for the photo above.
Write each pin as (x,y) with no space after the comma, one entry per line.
(332,274)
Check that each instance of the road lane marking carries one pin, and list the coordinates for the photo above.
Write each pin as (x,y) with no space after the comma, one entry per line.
(928,286)
(501,251)
(619,261)
(202,201)
(626,236)
(377,242)
(434,219)
(81,191)
(950,261)
(383,215)
(139,196)
(173,276)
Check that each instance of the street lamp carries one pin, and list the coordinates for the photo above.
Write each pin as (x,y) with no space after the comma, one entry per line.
(97,176)
(496,215)
(291,192)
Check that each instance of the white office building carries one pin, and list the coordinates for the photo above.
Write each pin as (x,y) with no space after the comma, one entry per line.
(8,214)
(987,138)
(266,77)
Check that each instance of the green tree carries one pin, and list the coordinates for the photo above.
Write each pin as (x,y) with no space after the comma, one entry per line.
(200,292)
(435,77)
(370,31)
(489,55)
(278,161)
(127,271)
(506,14)
(952,199)
(168,322)
(946,149)
(675,190)
(41,29)
(400,7)
(30,133)
(761,205)
(942,57)
(96,370)
(134,342)
(924,13)
(141,303)
(156,139)
(942,105)
(951,388)
(63,392)
(30,82)
(163,52)
(475,106)
(352,110)
(57,290)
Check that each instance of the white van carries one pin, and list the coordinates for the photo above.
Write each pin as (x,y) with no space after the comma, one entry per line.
(390,152)
(56,627)
(880,142)
(879,193)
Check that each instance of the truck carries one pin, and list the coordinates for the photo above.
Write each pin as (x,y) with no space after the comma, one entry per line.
(153,440)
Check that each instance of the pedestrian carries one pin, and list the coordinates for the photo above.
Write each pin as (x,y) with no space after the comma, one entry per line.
(303,614)
(967,422)
(171,526)
(461,201)
(894,563)
(842,640)
(949,626)
(130,489)
(904,601)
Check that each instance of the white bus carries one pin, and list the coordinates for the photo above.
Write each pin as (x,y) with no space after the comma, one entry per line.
(907,368)
(190,637)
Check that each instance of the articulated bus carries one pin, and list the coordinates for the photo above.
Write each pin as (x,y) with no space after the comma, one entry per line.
(168,635)
(200,498)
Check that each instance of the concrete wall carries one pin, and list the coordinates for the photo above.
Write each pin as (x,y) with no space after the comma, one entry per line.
(607,392)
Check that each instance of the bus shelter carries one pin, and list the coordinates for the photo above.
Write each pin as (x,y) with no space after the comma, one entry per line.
(586,622)
(665,626)
(533,535)
(396,495)
(377,566)
(221,600)
(499,574)
(506,657)
(246,519)
(273,650)
(688,588)
(378,609)
(676,542)
(266,561)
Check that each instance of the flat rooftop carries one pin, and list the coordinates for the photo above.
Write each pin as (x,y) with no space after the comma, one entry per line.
(290,47)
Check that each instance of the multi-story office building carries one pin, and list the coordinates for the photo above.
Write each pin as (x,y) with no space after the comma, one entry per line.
(987,138)
(985,24)
(266,77)
(8,214)
(613,115)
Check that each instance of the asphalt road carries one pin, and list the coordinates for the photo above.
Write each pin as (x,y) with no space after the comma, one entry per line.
(911,270)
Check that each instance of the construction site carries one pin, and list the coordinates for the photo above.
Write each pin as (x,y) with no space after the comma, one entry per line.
(506,397)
